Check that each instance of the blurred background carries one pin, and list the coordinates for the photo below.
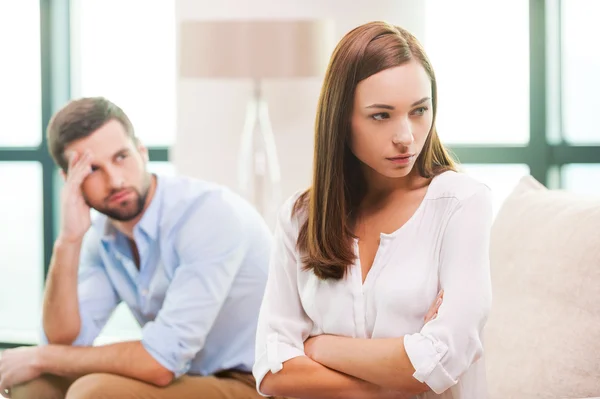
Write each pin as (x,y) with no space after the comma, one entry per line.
(518,94)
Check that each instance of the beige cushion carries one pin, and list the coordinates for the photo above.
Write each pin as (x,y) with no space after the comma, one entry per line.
(543,336)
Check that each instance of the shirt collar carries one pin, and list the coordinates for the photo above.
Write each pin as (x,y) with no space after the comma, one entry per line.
(149,223)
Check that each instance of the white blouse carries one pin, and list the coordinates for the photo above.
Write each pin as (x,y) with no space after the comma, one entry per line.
(444,245)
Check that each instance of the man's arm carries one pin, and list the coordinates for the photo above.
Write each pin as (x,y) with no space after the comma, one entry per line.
(61,319)
(81,298)
(128,359)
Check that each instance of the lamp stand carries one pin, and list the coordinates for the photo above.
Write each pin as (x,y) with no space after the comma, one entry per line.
(259,175)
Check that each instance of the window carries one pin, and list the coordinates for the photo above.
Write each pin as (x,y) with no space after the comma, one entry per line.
(21,229)
(517,86)
(132,63)
(501,179)
(162,168)
(21,205)
(121,326)
(582,178)
(20,96)
(482,69)
(580,66)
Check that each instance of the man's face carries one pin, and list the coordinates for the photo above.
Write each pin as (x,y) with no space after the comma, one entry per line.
(119,182)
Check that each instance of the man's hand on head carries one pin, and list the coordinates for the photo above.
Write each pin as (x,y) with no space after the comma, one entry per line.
(75,213)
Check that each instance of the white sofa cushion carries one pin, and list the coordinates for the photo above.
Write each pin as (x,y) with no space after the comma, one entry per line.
(542,339)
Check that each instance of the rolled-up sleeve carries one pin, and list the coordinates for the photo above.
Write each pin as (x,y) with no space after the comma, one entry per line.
(96,294)
(448,345)
(283,325)
(210,245)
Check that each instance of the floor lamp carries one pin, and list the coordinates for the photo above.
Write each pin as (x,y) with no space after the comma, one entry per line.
(256,50)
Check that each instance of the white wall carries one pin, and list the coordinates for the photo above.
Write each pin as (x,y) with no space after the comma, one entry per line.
(211,114)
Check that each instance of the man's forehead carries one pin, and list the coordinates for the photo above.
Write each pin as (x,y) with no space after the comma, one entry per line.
(99,149)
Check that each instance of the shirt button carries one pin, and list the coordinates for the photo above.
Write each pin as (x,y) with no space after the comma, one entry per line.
(144,292)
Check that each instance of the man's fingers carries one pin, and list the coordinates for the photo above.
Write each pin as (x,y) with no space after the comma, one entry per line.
(75,161)
(71,159)
(4,391)
(80,170)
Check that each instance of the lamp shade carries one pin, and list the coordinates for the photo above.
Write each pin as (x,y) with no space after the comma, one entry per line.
(254,48)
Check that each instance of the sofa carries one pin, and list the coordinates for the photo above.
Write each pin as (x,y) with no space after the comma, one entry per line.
(542,339)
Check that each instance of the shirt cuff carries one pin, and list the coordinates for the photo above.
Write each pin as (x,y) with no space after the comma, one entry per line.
(273,358)
(160,342)
(425,354)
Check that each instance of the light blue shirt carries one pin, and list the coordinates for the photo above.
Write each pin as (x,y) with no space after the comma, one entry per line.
(204,254)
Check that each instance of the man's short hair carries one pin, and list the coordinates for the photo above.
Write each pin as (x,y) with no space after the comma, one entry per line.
(79,119)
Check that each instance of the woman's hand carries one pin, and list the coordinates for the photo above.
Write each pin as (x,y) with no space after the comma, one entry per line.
(311,345)
(433,310)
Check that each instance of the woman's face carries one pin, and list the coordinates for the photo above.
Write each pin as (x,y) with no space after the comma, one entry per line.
(391,118)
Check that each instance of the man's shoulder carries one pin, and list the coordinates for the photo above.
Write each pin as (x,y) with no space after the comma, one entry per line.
(177,185)
(188,198)
(181,192)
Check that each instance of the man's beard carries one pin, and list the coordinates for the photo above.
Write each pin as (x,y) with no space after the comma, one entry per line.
(126,210)
(129,209)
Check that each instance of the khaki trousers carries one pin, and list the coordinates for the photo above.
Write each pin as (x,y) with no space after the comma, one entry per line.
(224,385)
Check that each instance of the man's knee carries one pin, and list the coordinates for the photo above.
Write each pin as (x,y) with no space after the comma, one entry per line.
(45,387)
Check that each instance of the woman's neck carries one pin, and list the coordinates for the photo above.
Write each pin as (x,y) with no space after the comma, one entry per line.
(381,189)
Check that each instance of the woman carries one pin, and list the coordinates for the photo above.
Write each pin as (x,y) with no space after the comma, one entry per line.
(387,225)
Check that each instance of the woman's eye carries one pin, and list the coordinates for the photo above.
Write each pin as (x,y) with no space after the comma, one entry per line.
(420,111)
(380,116)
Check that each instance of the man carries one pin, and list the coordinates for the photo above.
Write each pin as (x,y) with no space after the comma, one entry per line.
(189,258)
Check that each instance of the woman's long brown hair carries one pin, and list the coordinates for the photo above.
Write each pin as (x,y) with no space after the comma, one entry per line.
(325,237)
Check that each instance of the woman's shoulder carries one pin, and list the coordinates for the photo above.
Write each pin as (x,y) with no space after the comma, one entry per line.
(457,185)
(293,212)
